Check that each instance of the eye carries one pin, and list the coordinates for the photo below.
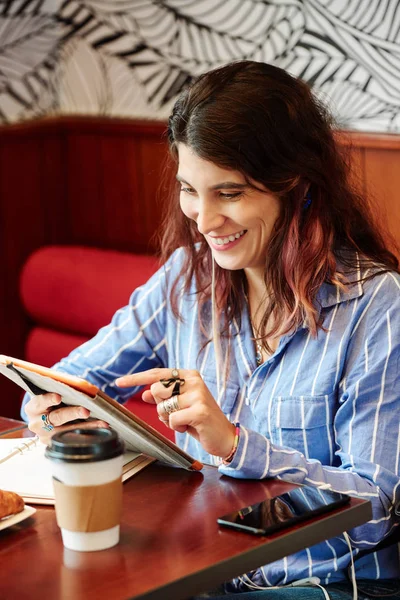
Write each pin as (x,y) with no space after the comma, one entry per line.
(231,195)
(187,190)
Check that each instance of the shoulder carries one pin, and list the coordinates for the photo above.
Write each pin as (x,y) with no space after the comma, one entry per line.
(156,287)
(174,269)
(176,261)
(170,268)
(172,276)
(178,266)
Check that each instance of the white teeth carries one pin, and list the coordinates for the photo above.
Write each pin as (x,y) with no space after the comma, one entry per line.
(231,238)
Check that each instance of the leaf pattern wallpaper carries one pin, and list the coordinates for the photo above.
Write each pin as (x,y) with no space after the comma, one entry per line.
(130,58)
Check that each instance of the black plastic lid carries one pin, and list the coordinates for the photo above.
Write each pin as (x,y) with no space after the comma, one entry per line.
(85,445)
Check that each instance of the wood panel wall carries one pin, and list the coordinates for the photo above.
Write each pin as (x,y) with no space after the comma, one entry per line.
(96,181)
(376,160)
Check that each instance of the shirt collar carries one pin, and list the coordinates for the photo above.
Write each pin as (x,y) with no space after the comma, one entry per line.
(330,294)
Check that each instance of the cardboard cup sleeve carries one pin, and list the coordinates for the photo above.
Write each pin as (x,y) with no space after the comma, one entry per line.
(88,508)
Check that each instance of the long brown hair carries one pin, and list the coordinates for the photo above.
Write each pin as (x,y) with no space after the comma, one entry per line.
(259,120)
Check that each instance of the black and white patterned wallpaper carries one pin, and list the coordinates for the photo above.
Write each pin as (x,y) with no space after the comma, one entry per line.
(132,57)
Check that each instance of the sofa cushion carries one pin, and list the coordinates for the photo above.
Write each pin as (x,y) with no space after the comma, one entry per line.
(45,346)
(78,289)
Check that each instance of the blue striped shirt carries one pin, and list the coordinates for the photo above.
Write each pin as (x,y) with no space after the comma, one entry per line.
(322,411)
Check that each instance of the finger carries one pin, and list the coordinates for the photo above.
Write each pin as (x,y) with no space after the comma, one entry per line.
(60,416)
(153,398)
(56,418)
(40,404)
(147,396)
(151,376)
(162,415)
(179,421)
(160,392)
(184,419)
(180,428)
(161,408)
(63,416)
(143,378)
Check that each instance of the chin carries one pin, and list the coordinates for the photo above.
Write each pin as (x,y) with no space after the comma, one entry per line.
(230,265)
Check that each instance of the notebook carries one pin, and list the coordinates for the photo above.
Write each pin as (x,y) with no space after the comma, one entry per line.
(24,469)
(138,435)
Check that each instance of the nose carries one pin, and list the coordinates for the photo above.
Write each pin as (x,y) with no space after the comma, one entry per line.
(209,218)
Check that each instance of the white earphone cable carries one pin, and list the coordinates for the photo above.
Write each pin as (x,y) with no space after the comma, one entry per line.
(353,571)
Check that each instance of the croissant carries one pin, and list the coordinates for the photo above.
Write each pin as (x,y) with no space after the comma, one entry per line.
(10,503)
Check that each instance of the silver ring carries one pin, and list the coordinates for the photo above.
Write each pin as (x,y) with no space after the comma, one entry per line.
(46,423)
(170,405)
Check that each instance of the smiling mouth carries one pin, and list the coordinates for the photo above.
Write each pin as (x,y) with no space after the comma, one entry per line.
(222,241)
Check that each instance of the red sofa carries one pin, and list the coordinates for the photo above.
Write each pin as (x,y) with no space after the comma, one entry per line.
(69,292)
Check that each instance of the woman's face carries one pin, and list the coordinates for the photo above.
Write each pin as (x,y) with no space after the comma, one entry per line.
(235,218)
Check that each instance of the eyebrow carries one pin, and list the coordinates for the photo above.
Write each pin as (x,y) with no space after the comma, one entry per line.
(224,185)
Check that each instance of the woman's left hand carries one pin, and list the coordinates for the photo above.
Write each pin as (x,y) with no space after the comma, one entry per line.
(198,413)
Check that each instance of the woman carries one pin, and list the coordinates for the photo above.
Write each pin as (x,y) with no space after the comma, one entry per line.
(279,305)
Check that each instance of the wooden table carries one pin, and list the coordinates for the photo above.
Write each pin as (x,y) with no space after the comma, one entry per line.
(9,427)
(171,546)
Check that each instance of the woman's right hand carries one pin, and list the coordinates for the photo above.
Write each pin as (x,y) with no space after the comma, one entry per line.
(59,418)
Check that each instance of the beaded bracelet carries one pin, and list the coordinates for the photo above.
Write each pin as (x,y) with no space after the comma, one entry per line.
(231,454)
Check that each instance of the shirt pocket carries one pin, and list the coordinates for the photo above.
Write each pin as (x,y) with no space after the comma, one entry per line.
(305,423)
(229,395)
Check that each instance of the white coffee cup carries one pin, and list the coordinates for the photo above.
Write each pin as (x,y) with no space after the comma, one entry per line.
(86,466)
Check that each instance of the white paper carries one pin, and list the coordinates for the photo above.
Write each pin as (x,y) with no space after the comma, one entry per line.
(28,474)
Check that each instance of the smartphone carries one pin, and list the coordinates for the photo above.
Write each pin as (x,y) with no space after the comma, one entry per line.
(273,514)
